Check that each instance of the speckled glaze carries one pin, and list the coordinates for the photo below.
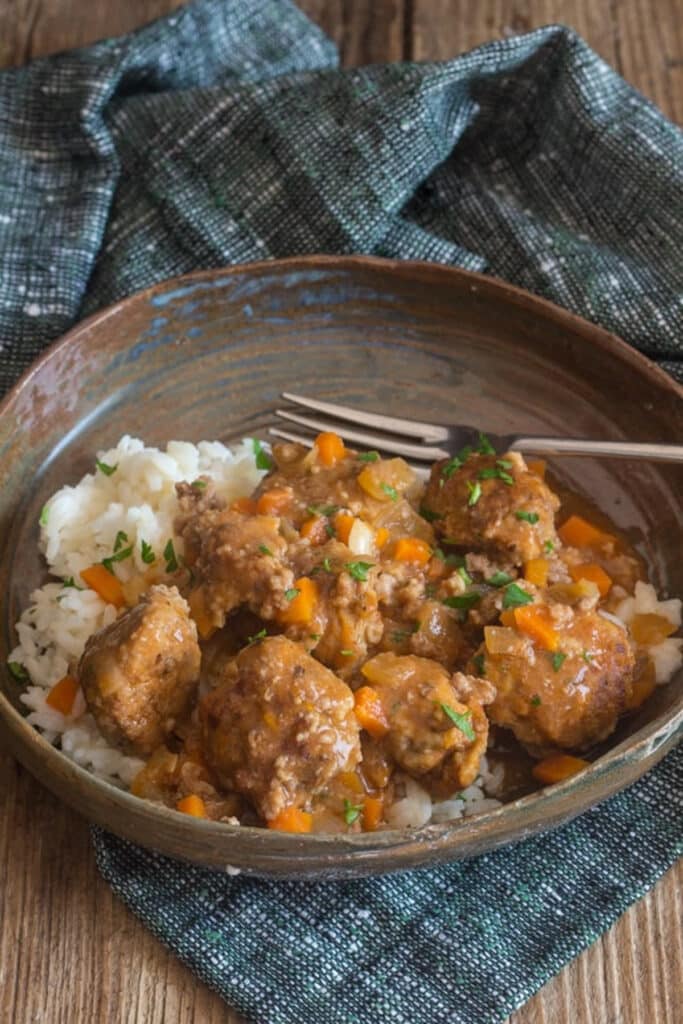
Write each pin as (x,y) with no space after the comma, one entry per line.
(206,356)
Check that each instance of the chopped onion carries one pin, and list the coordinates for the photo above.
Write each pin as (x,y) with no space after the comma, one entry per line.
(361,538)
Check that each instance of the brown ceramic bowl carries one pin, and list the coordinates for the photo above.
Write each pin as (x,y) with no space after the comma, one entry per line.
(206,356)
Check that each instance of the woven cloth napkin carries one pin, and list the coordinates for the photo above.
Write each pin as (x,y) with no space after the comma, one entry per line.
(227,133)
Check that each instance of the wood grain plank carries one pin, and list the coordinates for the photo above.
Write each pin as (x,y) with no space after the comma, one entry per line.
(366,33)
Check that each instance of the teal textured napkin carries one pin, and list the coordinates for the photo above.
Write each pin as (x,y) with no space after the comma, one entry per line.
(226,133)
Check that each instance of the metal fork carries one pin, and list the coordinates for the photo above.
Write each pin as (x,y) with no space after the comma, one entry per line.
(435,441)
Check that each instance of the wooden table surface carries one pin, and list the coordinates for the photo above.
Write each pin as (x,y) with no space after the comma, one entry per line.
(69,951)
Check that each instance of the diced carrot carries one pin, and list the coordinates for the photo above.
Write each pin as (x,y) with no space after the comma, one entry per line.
(536,571)
(412,549)
(199,614)
(330,448)
(594,573)
(381,537)
(352,781)
(507,617)
(343,522)
(370,712)
(536,622)
(373,808)
(291,819)
(273,502)
(105,584)
(536,466)
(63,694)
(558,767)
(300,608)
(649,628)
(577,532)
(314,530)
(247,506)
(192,805)
(643,685)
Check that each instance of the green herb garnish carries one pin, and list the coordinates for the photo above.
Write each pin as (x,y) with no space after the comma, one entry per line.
(261,635)
(43,515)
(548,546)
(146,552)
(535,701)
(17,670)
(359,570)
(495,473)
(463,722)
(399,635)
(465,601)
(456,463)
(265,550)
(456,560)
(587,657)
(347,652)
(170,556)
(325,566)
(322,510)
(514,596)
(485,447)
(315,636)
(199,485)
(464,575)
(504,463)
(121,539)
(71,582)
(557,660)
(368,456)
(104,468)
(499,579)
(527,517)
(391,491)
(479,662)
(118,556)
(261,457)
(292,593)
(430,516)
(351,811)
(474,492)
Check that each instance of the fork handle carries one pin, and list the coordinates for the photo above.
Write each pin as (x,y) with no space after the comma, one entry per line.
(611,449)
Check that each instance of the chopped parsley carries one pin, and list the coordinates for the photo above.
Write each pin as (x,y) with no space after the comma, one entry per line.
(118,556)
(557,660)
(464,575)
(456,560)
(121,539)
(347,652)
(485,447)
(352,812)
(368,456)
(170,556)
(548,546)
(265,550)
(474,492)
(199,485)
(292,593)
(398,635)
(43,515)
(390,491)
(465,601)
(315,636)
(71,582)
(322,510)
(430,516)
(325,566)
(587,657)
(535,701)
(463,722)
(456,463)
(496,473)
(479,663)
(17,670)
(359,570)
(104,468)
(261,635)
(146,552)
(261,457)
(527,517)
(504,463)
(514,596)
(499,579)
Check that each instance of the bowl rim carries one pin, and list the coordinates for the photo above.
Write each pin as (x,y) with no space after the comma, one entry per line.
(340,855)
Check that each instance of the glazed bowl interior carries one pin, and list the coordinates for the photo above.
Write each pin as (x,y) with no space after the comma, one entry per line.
(208,355)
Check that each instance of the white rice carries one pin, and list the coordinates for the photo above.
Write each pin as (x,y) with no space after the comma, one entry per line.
(667,655)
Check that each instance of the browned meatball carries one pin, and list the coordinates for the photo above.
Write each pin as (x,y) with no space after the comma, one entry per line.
(437,727)
(570,698)
(139,674)
(495,504)
(279,726)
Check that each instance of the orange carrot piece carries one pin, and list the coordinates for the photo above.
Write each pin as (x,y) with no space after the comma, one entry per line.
(313,530)
(198,612)
(247,506)
(192,805)
(373,808)
(411,549)
(536,622)
(594,573)
(536,571)
(300,608)
(649,628)
(291,819)
(352,781)
(330,448)
(577,532)
(370,712)
(343,522)
(105,584)
(63,694)
(537,466)
(507,617)
(558,767)
(381,537)
(273,502)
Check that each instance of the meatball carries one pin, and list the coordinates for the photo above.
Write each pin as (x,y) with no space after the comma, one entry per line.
(279,727)
(139,674)
(569,698)
(437,729)
(496,504)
